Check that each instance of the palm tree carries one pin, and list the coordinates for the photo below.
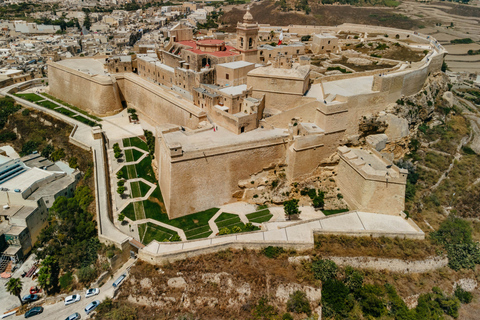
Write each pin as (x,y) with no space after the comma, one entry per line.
(14,287)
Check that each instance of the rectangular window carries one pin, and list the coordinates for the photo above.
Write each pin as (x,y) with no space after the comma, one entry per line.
(227,76)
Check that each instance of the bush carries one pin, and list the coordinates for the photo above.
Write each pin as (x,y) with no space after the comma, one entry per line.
(29,147)
(57,155)
(273,252)
(463,256)
(463,296)
(305,38)
(86,275)
(263,310)
(120,190)
(111,253)
(298,303)
(370,300)
(66,280)
(224,230)
(120,183)
(287,316)
(236,229)
(453,231)
(353,279)
(121,217)
(73,163)
(7,136)
(25,112)
(336,298)
(324,270)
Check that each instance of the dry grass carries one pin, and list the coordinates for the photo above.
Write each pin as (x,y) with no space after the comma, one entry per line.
(326,245)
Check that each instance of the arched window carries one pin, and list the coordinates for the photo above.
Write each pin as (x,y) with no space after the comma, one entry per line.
(241,41)
(250,43)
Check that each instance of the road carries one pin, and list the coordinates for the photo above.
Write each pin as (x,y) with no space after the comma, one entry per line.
(59,311)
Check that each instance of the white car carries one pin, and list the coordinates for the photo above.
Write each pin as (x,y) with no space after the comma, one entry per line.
(92,292)
(72,299)
(92,306)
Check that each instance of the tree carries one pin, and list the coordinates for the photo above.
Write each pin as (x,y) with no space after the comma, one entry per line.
(298,303)
(48,274)
(72,163)
(120,174)
(48,150)
(14,287)
(291,208)
(29,147)
(120,190)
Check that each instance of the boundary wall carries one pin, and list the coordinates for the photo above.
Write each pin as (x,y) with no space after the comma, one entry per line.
(299,236)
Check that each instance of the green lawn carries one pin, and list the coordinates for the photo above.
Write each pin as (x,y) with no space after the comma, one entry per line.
(66,112)
(144,188)
(86,121)
(135,189)
(137,154)
(145,170)
(48,104)
(150,231)
(259,216)
(228,220)
(139,210)
(132,173)
(32,97)
(139,143)
(129,155)
(129,212)
(71,106)
(330,212)
(126,142)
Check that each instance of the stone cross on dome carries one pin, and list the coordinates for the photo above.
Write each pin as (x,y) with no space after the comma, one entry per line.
(248,16)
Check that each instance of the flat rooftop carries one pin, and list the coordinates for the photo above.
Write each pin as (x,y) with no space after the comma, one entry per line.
(220,138)
(25,180)
(236,64)
(349,87)
(296,72)
(234,90)
(89,66)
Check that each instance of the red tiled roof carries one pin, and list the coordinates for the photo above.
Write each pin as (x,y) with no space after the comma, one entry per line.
(210,41)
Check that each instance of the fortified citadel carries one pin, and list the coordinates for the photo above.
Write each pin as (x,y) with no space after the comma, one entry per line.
(227,109)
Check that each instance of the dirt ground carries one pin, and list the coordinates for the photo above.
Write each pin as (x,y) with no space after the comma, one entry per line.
(327,15)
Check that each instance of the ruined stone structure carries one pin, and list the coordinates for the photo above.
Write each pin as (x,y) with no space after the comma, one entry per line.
(215,130)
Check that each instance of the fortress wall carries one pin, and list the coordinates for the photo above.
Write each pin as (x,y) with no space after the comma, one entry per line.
(95,94)
(157,104)
(302,160)
(305,112)
(364,194)
(199,182)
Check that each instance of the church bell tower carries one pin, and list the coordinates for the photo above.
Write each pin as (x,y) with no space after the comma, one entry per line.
(247,37)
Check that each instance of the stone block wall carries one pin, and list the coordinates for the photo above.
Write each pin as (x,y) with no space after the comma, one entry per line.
(95,94)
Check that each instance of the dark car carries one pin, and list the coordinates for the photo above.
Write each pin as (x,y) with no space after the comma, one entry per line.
(30,298)
(33,312)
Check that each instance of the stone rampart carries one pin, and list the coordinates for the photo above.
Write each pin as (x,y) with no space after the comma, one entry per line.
(210,176)
(159,105)
(97,94)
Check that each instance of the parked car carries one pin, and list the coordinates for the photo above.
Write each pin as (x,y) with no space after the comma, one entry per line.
(72,299)
(91,306)
(92,292)
(74,316)
(33,312)
(30,298)
(119,280)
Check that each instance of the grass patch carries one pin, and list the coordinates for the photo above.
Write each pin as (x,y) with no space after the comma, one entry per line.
(85,113)
(129,212)
(135,189)
(126,142)
(132,173)
(259,216)
(32,97)
(48,104)
(228,220)
(139,143)
(137,154)
(66,112)
(155,232)
(330,212)
(145,170)
(144,188)
(86,121)
(129,155)
(141,230)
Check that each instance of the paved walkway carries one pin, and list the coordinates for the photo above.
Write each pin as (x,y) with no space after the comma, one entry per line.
(299,233)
